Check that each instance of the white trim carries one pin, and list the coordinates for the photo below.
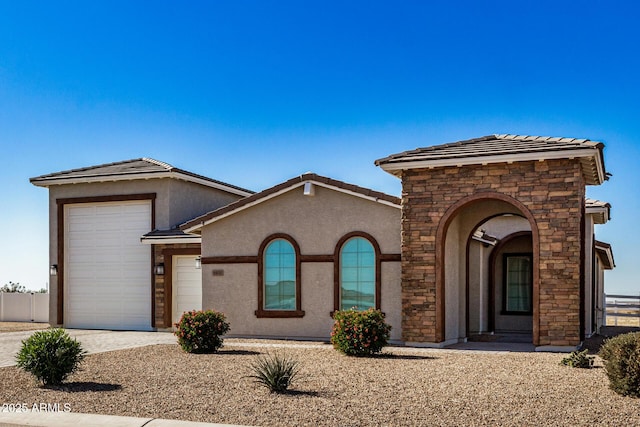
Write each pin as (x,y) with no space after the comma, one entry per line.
(499,158)
(354,193)
(599,211)
(286,190)
(609,253)
(47,182)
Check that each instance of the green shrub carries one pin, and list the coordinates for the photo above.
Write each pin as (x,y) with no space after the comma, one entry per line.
(275,371)
(578,359)
(201,331)
(621,356)
(50,355)
(359,333)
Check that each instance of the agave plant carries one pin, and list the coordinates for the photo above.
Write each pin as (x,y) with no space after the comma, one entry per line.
(275,371)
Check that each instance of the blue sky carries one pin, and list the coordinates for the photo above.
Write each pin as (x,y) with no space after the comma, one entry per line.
(254,93)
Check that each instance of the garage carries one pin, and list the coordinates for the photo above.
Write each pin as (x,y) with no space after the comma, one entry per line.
(107,272)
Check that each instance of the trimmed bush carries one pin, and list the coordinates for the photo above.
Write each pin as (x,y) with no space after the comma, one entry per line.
(274,371)
(621,356)
(51,356)
(201,331)
(359,333)
(578,359)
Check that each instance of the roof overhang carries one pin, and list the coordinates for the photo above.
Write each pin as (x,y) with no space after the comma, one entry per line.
(601,213)
(168,237)
(196,224)
(605,254)
(591,160)
(79,179)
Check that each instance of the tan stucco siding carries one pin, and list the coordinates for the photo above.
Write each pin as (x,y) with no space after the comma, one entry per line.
(175,201)
(316,223)
(188,200)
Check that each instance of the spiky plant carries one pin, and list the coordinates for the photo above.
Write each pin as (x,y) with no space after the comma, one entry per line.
(275,371)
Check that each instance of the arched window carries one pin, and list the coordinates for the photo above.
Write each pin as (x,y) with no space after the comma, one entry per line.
(358,268)
(279,278)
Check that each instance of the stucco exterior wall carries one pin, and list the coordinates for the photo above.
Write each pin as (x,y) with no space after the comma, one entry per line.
(316,223)
(552,192)
(188,200)
(175,200)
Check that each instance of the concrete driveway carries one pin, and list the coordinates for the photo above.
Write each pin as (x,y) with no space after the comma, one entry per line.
(93,341)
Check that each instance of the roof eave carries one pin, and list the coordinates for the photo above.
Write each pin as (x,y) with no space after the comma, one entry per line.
(602,215)
(166,240)
(138,176)
(606,254)
(598,177)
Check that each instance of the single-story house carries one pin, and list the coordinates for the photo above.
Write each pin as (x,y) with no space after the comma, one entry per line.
(491,235)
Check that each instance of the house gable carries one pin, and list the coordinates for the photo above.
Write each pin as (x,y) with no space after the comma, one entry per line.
(307,181)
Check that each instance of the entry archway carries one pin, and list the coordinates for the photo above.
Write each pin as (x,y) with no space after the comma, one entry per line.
(454,230)
(486,246)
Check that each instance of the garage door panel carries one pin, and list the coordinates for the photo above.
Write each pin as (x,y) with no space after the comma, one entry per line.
(107,268)
(186,286)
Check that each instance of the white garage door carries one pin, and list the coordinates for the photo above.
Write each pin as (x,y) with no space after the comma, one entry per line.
(107,270)
(186,289)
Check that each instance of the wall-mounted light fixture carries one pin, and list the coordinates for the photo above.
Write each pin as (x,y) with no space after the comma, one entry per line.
(53,270)
(199,262)
(159,269)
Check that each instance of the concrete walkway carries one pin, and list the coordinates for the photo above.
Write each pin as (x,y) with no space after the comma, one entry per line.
(63,419)
(92,340)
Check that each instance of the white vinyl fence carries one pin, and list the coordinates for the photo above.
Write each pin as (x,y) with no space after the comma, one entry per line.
(624,310)
(24,307)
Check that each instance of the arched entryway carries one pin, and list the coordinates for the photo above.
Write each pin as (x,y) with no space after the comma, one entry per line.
(499,280)
(470,295)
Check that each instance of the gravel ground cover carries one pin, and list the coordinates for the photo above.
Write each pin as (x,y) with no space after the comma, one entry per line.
(403,387)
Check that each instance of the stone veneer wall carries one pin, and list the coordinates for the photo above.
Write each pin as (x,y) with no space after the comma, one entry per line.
(552,190)
(159,281)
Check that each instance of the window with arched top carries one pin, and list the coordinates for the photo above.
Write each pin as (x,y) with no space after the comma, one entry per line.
(359,271)
(279,278)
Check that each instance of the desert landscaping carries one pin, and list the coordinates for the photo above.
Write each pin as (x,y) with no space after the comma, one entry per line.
(403,386)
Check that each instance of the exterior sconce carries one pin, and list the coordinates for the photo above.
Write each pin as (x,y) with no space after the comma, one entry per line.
(199,262)
(159,269)
(53,270)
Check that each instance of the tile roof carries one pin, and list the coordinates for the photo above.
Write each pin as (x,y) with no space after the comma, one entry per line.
(256,198)
(141,168)
(593,203)
(601,211)
(500,148)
